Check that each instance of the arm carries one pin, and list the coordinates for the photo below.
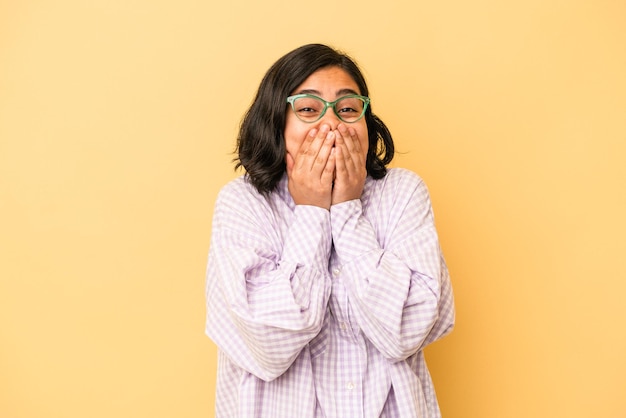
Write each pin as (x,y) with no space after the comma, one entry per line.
(397,281)
(266,294)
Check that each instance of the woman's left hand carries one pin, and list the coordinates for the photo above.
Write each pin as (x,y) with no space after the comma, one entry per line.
(350,170)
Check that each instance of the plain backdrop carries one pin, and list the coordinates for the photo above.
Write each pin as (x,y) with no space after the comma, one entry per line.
(118,120)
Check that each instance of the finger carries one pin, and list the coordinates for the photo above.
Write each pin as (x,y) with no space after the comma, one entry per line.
(310,148)
(353,145)
(351,139)
(328,175)
(304,149)
(355,138)
(341,169)
(327,137)
(346,156)
(324,152)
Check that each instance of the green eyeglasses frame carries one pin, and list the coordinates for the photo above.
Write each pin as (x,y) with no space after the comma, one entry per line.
(292,99)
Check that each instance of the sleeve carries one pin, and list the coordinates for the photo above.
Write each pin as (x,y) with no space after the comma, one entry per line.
(266,295)
(396,277)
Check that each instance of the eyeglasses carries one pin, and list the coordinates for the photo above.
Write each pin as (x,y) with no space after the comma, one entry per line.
(309,108)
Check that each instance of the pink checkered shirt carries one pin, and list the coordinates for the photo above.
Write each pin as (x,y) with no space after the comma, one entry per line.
(321,313)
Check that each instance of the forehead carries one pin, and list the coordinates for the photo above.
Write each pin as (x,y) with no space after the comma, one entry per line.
(329,81)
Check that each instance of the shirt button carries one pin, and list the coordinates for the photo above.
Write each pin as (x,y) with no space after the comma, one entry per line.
(350,386)
(336,272)
(343,325)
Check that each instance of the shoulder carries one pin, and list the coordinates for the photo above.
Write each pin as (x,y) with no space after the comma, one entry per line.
(403,175)
(236,186)
(239,194)
(400,180)
(398,189)
(239,199)
(240,189)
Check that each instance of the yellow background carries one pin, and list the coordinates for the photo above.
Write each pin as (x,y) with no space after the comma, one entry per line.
(117,122)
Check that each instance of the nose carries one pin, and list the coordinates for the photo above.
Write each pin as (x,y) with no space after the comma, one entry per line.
(330,118)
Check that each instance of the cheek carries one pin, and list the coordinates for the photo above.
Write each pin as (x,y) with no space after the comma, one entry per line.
(294,136)
(292,145)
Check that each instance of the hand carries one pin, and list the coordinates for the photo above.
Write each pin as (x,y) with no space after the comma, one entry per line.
(349,166)
(312,169)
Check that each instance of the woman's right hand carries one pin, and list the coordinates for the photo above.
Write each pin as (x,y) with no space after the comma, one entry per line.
(311,171)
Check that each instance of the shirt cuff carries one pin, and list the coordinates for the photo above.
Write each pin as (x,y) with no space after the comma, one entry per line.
(309,240)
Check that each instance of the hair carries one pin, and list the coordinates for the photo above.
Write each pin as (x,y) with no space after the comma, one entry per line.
(261,144)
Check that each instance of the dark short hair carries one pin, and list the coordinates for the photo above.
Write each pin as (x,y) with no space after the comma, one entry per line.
(261,143)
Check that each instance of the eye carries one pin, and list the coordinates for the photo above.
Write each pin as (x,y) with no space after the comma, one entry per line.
(308,106)
(349,106)
(347,110)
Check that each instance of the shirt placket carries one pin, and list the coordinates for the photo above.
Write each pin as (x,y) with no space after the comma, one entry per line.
(354,349)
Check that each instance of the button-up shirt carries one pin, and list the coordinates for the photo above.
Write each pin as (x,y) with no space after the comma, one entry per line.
(325,313)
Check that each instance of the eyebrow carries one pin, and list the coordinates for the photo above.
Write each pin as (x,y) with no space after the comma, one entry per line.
(338,93)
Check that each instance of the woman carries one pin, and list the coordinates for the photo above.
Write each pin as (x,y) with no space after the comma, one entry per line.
(325,279)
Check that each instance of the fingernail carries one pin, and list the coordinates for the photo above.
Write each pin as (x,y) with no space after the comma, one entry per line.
(313,132)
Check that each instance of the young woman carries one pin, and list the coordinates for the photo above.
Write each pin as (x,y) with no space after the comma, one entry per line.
(325,278)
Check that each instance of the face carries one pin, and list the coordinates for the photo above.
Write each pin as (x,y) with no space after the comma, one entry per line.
(329,84)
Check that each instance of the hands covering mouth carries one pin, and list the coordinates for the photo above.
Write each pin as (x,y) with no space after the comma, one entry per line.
(328,168)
